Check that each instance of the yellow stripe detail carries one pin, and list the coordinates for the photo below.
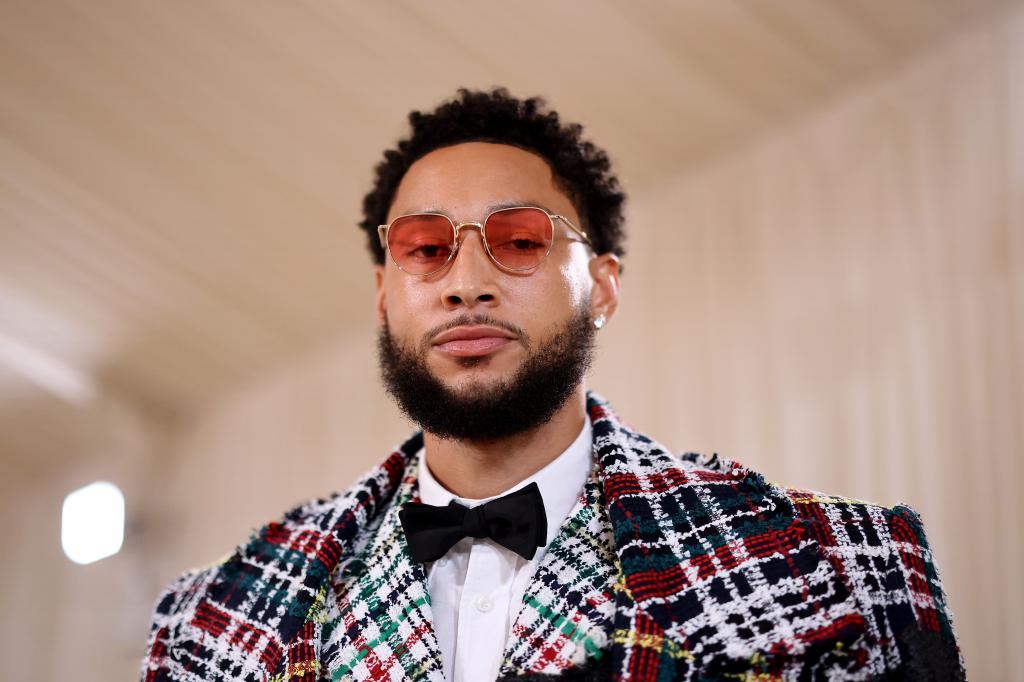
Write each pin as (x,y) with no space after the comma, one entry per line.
(827,499)
(656,642)
(297,670)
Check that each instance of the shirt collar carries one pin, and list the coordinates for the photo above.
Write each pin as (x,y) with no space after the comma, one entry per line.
(560,482)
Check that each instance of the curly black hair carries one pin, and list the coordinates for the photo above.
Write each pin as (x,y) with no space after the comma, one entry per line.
(581,170)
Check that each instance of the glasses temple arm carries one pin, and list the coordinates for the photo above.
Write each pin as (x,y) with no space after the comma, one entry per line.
(574,228)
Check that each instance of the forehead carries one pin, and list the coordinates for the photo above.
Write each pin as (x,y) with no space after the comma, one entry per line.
(468,180)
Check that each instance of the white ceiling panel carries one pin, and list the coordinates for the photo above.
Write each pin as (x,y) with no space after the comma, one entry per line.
(180,181)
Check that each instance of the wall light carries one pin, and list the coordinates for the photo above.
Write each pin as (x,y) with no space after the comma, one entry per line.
(92,522)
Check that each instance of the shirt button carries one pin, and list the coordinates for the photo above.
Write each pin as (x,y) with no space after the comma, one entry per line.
(483,604)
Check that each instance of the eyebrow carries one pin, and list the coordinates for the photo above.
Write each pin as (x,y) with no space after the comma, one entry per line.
(491,208)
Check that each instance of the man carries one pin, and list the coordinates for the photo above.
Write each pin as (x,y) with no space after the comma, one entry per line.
(525,533)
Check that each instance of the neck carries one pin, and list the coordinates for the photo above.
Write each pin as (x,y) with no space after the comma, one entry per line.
(479,469)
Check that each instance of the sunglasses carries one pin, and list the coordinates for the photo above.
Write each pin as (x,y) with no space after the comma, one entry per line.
(517,239)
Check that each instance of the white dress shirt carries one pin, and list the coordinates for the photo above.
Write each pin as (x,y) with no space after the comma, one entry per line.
(476,589)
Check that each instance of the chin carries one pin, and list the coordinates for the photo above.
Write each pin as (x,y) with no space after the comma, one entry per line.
(473,375)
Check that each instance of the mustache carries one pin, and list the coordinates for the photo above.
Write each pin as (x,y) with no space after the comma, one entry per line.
(467,320)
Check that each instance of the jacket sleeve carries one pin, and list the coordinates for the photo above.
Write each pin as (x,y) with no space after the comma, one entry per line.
(175,647)
(919,614)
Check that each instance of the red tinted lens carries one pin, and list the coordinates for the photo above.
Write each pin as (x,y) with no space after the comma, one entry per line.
(421,244)
(519,238)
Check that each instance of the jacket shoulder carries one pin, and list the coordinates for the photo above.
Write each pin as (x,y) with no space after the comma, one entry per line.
(208,624)
(890,568)
(233,620)
(836,521)
(884,563)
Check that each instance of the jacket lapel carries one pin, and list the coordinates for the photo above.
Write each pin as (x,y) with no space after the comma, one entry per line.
(666,569)
(719,577)
(567,609)
(380,626)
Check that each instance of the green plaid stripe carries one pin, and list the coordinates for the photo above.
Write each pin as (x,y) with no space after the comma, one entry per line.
(668,568)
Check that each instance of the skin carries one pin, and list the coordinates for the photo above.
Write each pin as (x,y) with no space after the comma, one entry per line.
(466,182)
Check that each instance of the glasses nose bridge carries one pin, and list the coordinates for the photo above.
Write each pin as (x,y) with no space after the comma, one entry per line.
(468,224)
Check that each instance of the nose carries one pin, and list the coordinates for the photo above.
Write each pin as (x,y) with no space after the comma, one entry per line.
(470,280)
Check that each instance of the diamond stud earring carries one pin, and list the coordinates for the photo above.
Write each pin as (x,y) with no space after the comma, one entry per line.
(599,321)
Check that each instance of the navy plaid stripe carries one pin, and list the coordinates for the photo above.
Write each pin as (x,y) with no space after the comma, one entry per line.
(669,568)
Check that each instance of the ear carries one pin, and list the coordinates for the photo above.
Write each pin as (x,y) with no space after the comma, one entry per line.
(604,294)
(380,303)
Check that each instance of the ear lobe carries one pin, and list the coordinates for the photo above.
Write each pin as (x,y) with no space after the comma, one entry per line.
(380,302)
(604,294)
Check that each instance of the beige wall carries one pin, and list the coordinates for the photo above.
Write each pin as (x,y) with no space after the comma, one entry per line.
(840,305)
(58,620)
(835,305)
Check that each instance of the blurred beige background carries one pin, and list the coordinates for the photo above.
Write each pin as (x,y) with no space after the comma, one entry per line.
(825,277)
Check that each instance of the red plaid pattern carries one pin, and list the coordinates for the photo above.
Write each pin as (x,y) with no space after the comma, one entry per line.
(669,568)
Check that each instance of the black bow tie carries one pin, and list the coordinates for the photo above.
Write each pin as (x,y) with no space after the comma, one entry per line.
(515,521)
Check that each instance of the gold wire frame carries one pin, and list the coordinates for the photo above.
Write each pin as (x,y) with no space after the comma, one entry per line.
(382,233)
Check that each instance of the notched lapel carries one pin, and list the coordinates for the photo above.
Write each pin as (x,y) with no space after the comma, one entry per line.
(567,609)
(719,575)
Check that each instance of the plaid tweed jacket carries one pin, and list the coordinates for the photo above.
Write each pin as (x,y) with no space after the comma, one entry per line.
(667,569)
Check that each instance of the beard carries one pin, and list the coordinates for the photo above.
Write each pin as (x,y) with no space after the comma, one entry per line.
(486,411)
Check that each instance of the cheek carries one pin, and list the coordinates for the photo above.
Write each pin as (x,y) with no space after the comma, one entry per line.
(403,303)
(576,282)
(556,295)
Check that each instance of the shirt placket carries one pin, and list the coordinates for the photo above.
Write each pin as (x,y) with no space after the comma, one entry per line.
(483,614)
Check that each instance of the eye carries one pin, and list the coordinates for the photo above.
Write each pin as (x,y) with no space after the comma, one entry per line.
(525,244)
(519,243)
(428,251)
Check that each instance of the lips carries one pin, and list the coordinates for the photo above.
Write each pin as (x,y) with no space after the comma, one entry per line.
(472,341)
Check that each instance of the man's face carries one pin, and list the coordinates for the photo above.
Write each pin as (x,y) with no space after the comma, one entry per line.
(473,326)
